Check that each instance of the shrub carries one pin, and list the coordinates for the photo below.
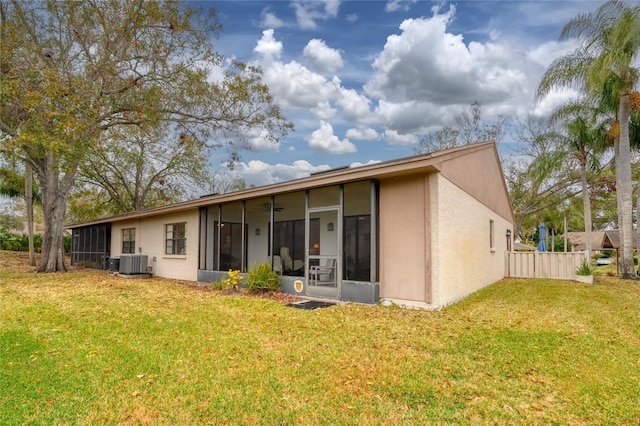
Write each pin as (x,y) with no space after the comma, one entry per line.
(262,278)
(8,241)
(15,242)
(67,242)
(584,269)
(231,282)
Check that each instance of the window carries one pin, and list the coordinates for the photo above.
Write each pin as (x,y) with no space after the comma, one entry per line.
(128,240)
(357,231)
(230,245)
(290,234)
(357,248)
(176,242)
(491,238)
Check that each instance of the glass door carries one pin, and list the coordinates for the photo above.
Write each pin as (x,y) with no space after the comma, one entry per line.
(323,259)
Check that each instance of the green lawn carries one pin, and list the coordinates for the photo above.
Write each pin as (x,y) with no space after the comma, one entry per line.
(88,348)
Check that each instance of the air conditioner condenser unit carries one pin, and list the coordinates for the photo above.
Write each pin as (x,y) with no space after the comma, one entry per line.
(133,264)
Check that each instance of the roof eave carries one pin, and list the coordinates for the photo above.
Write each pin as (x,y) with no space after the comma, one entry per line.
(427,163)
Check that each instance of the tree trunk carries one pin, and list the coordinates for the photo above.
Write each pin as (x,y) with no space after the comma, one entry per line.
(638,223)
(625,203)
(565,234)
(28,195)
(586,204)
(616,157)
(55,192)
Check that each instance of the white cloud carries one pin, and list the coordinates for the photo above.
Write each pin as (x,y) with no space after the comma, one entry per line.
(356,107)
(422,78)
(291,84)
(322,57)
(553,100)
(324,111)
(394,138)
(396,5)
(368,163)
(295,86)
(257,172)
(270,20)
(308,12)
(548,52)
(268,47)
(362,133)
(215,73)
(324,141)
(259,142)
(425,74)
(414,116)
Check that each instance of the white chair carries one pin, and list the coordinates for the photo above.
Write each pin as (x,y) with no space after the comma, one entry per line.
(276,264)
(324,275)
(290,264)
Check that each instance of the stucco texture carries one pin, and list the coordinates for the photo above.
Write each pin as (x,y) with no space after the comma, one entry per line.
(150,236)
(465,261)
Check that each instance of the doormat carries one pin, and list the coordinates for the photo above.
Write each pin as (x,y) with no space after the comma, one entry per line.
(311,304)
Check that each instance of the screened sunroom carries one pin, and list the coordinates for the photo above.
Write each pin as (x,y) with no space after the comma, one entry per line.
(322,240)
(91,245)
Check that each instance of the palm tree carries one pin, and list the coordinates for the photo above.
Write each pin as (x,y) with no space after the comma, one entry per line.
(634,137)
(585,142)
(603,66)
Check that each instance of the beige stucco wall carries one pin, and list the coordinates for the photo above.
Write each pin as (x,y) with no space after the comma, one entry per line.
(435,242)
(480,174)
(465,262)
(150,236)
(404,235)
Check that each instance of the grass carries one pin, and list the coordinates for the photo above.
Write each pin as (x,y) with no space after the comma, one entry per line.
(88,348)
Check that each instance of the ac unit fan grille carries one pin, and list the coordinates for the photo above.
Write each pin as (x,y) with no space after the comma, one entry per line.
(133,264)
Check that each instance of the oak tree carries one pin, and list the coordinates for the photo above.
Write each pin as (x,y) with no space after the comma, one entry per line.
(71,71)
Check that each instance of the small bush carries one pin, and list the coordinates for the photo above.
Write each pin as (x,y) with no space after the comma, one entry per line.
(218,285)
(67,242)
(584,269)
(20,242)
(262,278)
(231,282)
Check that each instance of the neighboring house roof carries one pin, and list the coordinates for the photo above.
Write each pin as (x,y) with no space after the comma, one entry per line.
(578,240)
(523,247)
(459,165)
(611,239)
(600,240)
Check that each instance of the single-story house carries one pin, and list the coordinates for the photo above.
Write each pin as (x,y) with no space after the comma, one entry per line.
(600,240)
(524,247)
(578,240)
(611,240)
(423,231)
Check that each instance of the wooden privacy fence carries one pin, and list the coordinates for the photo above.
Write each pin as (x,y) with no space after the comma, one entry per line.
(534,264)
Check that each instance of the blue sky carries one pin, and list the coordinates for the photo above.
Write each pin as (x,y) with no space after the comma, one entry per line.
(362,81)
